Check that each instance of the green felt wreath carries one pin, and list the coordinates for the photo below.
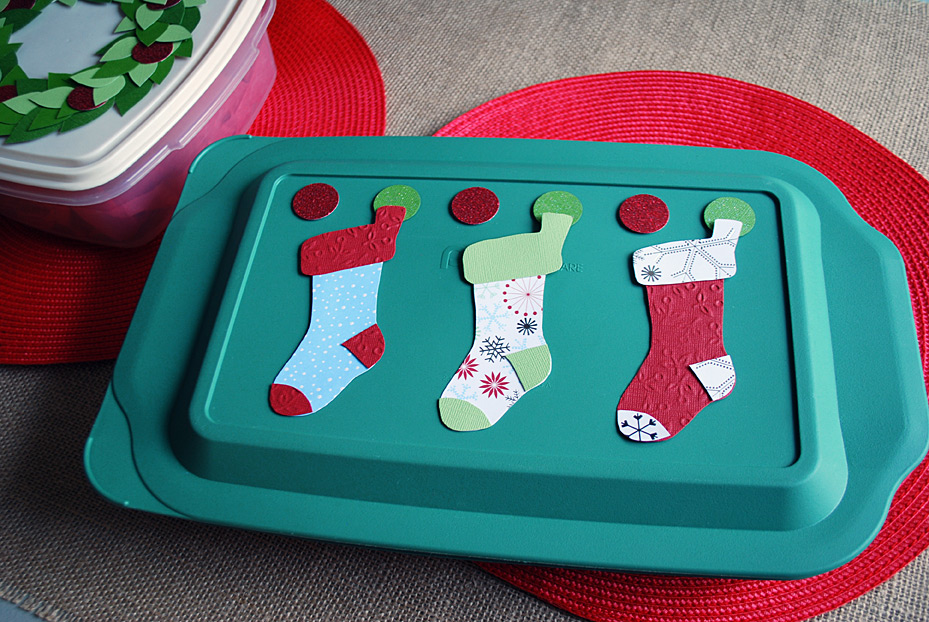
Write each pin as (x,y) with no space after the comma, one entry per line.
(151,35)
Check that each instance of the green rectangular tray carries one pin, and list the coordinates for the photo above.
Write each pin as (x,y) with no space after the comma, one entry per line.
(789,476)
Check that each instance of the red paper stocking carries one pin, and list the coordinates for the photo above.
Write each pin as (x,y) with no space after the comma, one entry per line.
(687,366)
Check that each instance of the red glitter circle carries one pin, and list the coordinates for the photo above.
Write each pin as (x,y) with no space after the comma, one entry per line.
(474,206)
(643,213)
(7,91)
(154,53)
(19,4)
(82,98)
(315,201)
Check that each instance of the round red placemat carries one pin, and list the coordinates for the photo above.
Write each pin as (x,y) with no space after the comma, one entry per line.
(63,301)
(696,109)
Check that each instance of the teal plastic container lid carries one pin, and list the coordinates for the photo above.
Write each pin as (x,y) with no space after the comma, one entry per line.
(784,478)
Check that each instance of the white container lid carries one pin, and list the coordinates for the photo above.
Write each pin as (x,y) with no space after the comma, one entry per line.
(100,151)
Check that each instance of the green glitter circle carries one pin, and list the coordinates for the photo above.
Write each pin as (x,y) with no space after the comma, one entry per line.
(730,208)
(399,195)
(558,202)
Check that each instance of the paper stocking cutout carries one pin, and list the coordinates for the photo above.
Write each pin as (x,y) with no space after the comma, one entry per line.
(687,366)
(509,356)
(343,339)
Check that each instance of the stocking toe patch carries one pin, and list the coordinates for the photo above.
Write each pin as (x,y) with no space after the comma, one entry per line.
(288,401)
(640,427)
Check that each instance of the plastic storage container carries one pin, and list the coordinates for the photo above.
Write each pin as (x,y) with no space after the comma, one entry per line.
(785,478)
(116,180)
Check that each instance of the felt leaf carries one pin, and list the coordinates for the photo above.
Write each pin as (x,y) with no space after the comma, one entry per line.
(66,110)
(185,48)
(174,15)
(52,98)
(104,93)
(31,85)
(145,17)
(68,2)
(194,2)
(9,48)
(141,73)
(150,35)
(191,19)
(164,68)
(7,64)
(21,104)
(3,4)
(127,25)
(132,95)
(88,78)
(59,79)
(46,117)
(9,116)
(83,118)
(162,2)
(174,33)
(12,76)
(5,129)
(21,132)
(129,9)
(120,49)
(17,18)
(116,67)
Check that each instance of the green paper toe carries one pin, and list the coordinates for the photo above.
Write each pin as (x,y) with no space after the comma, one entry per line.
(462,416)
(558,202)
(404,196)
(518,256)
(532,365)
(730,208)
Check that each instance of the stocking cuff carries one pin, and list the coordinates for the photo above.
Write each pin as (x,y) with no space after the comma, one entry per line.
(355,247)
(690,260)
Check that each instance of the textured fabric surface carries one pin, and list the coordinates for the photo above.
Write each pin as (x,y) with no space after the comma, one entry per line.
(71,556)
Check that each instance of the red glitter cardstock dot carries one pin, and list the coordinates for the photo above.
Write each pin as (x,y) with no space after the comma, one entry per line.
(7,91)
(474,206)
(315,201)
(82,98)
(154,53)
(643,213)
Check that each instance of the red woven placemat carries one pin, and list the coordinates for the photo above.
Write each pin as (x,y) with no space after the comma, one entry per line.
(63,301)
(695,109)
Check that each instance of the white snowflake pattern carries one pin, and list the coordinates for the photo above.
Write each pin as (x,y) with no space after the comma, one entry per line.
(492,318)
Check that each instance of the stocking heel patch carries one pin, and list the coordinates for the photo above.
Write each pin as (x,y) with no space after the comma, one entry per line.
(716,375)
(367,346)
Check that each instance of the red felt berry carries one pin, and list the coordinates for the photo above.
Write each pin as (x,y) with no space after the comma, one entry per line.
(474,206)
(643,213)
(19,4)
(82,98)
(154,53)
(315,201)
(8,91)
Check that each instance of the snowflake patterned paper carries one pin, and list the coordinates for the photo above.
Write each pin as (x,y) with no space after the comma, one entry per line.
(508,356)
(509,320)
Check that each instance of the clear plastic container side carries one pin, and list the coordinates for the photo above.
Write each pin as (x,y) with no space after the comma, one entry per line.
(135,207)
